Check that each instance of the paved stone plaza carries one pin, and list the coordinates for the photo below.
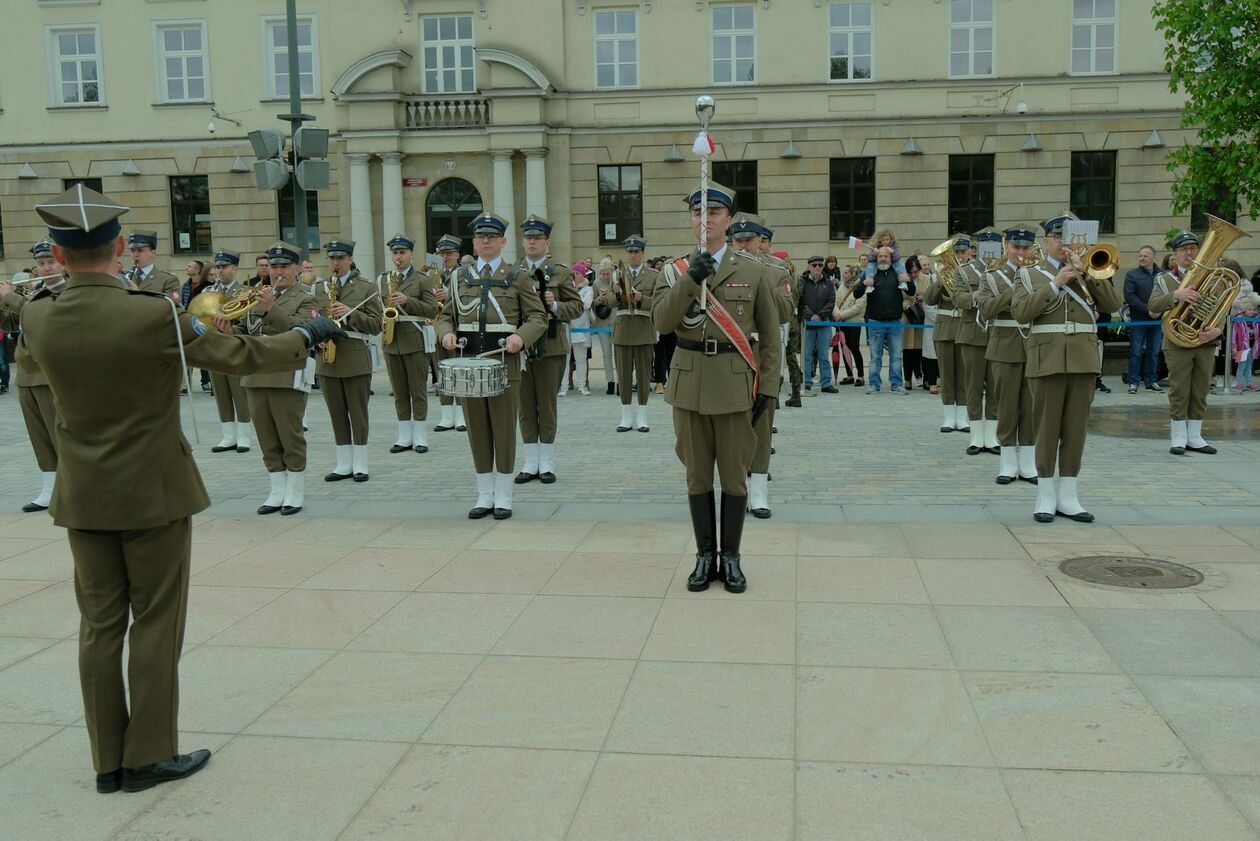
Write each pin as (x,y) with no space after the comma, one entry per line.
(908,662)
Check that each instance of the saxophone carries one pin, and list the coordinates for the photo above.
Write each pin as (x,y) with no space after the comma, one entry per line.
(389,318)
(330,349)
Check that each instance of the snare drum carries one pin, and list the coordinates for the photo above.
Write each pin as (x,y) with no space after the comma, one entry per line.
(471,377)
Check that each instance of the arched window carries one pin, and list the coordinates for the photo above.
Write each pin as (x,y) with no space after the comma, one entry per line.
(450,208)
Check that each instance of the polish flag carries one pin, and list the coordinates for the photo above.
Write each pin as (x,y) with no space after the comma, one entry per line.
(703,145)
(854,243)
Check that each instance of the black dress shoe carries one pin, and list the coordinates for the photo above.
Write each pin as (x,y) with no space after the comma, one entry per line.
(1032,480)
(478,513)
(269,509)
(31,508)
(973,450)
(461,428)
(523,477)
(1083,517)
(176,768)
(421,448)
(644,428)
(109,783)
(623,429)
(1206,449)
(290,510)
(947,429)
(337,477)
(612,387)
(761,513)
(361,477)
(1043,517)
(399,448)
(231,448)
(962,429)
(547,478)
(503,513)
(440,428)
(1004,480)
(774,430)
(1177,451)
(242,449)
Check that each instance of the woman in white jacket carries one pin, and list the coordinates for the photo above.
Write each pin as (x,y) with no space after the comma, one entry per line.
(580,342)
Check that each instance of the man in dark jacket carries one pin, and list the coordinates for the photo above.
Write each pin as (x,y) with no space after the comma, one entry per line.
(1144,341)
(885,296)
(818,299)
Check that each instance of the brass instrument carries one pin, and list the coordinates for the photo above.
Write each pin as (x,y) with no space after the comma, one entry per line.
(1099,262)
(947,265)
(627,286)
(1217,287)
(330,349)
(211,305)
(389,318)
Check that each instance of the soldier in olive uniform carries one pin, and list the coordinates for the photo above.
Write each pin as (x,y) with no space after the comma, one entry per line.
(278,401)
(633,336)
(407,356)
(144,274)
(1189,369)
(718,385)
(1057,298)
(792,341)
(948,353)
(448,247)
(229,395)
(492,307)
(34,396)
(128,486)
(548,360)
(1005,356)
(347,381)
(972,341)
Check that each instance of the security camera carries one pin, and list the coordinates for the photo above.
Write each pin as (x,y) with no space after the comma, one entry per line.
(210,128)
(1020,108)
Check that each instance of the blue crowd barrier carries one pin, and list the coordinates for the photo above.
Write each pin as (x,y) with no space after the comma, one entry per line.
(904,326)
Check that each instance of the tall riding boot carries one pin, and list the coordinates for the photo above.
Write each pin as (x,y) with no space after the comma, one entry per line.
(795,400)
(704,524)
(733,508)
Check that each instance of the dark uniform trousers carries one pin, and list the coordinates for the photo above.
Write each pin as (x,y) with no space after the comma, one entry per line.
(491,423)
(347,401)
(1059,403)
(408,376)
(950,358)
(230,398)
(1189,379)
(978,382)
(793,350)
(636,361)
(539,388)
(1013,398)
(278,424)
(40,415)
(144,573)
(697,440)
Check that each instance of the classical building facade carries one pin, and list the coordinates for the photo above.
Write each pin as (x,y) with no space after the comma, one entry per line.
(833,119)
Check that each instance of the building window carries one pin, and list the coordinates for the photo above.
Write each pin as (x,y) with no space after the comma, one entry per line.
(288,231)
(75,64)
(276,43)
(851,36)
(182,59)
(90,183)
(852,198)
(1093,190)
(1093,36)
(740,176)
(448,54)
(620,203)
(1221,202)
(734,45)
(616,49)
(190,213)
(970,38)
(970,193)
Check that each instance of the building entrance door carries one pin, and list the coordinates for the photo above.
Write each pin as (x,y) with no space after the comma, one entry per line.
(450,208)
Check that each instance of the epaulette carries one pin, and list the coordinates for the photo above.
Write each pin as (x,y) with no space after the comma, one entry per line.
(144,292)
(748,256)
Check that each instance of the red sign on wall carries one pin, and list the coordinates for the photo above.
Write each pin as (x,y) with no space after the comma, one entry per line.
(415,182)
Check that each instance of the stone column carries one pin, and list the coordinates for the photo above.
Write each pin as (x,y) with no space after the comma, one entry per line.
(505,198)
(361,215)
(536,182)
(392,219)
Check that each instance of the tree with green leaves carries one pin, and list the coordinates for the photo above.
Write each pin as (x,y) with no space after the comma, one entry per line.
(1212,54)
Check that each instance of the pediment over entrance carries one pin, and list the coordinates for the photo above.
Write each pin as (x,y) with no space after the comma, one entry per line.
(365,66)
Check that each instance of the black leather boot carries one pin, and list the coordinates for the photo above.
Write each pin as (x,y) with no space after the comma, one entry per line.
(733,508)
(795,400)
(704,523)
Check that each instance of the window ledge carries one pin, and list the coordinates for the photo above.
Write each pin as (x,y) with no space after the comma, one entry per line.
(86,106)
(285,99)
(184,103)
(48,3)
(850,81)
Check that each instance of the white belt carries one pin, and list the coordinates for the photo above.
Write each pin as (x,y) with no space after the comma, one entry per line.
(940,312)
(490,328)
(631,312)
(412,319)
(1069,328)
(363,337)
(1006,322)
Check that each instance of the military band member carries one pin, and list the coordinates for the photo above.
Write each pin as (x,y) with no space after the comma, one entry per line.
(548,360)
(229,395)
(347,381)
(144,274)
(1189,369)
(452,416)
(1057,298)
(718,385)
(278,401)
(949,353)
(792,342)
(633,335)
(127,485)
(407,356)
(34,396)
(492,307)
(972,341)
(1005,355)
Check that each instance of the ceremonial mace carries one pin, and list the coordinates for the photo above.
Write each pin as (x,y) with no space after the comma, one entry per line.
(704,112)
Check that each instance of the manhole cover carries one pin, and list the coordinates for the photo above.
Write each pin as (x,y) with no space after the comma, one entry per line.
(1118,571)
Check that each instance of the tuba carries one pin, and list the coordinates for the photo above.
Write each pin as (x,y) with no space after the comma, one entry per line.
(389,318)
(1217,287)
(946,264)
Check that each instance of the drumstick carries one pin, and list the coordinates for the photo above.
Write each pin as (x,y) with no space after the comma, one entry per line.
(491,353)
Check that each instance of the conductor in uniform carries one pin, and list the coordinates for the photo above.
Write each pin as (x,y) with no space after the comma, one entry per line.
(128,485)
(452,416)
(146,276)
(1057,298)
(229,395)
(407,351)
(718,385)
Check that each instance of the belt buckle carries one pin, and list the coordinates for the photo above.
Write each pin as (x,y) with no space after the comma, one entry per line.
(710,347)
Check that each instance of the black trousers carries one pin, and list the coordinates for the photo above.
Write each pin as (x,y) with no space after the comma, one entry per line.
(662,356)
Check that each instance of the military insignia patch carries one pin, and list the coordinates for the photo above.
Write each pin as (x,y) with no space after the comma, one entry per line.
(198,326)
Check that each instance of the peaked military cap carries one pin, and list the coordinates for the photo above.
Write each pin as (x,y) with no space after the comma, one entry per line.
(142,238)
(989,234)
(339,248)
(43,248)
(401,241)
(744,228)
(447,242)
(535,226)
(282,253)
(488,223)
(767,231)
(224,257)
(82,218)
(634,242)
(719,196)
(1055,225)
(1184,238)
(962,242)
(1021,234)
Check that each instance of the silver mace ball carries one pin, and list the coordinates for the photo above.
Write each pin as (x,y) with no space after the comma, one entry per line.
(704,109)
